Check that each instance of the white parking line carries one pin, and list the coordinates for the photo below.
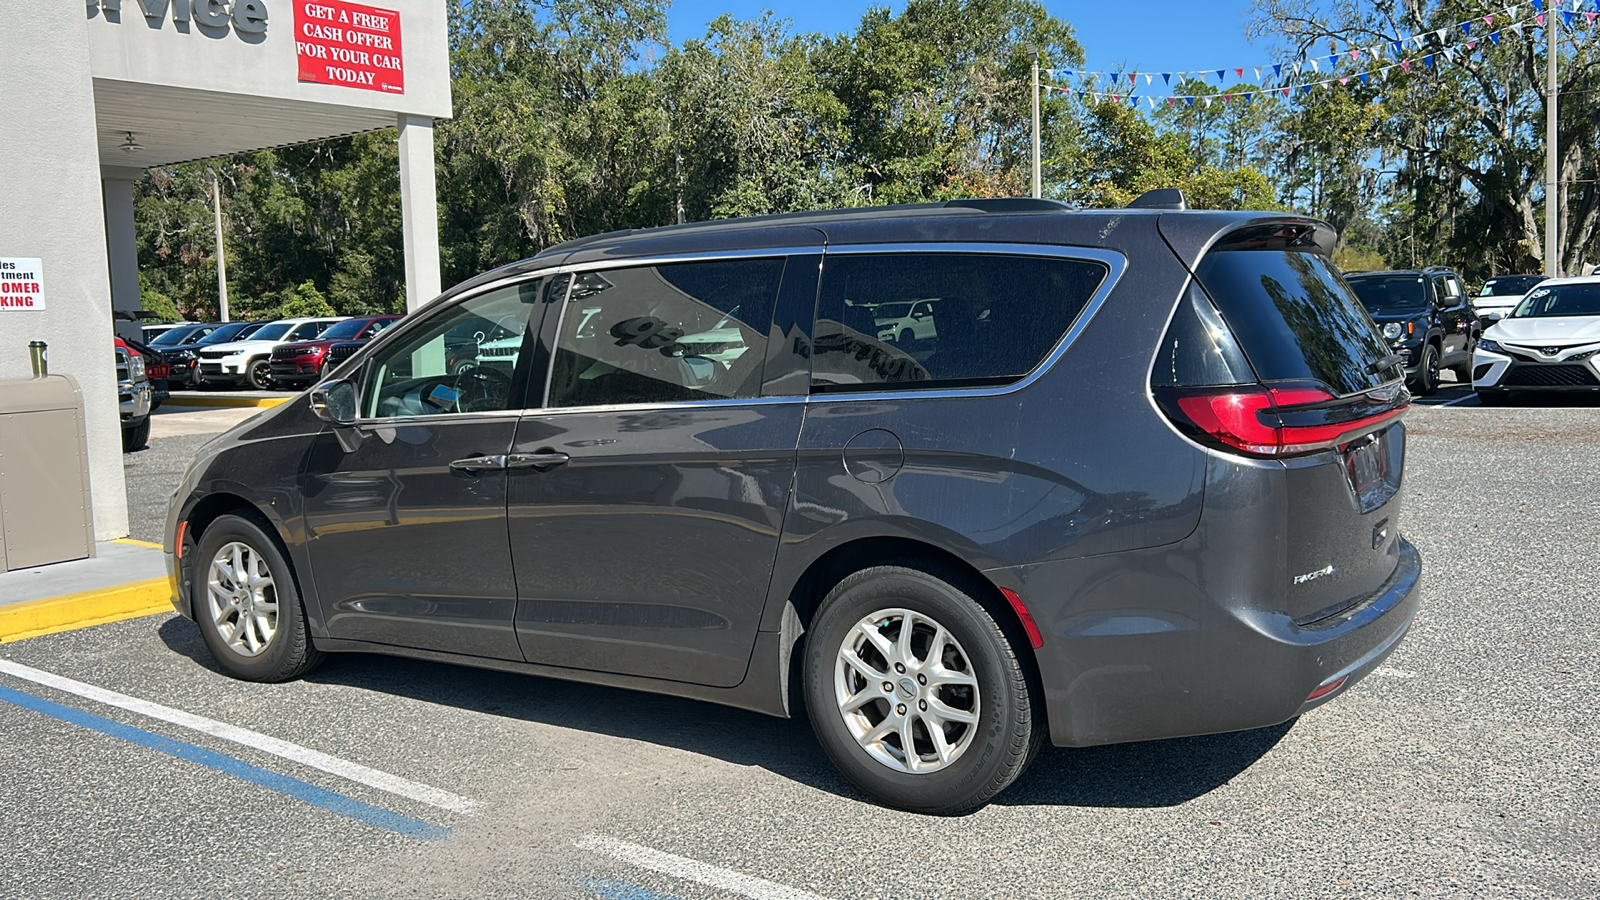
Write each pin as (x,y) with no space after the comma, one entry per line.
(692,870)
(333,765)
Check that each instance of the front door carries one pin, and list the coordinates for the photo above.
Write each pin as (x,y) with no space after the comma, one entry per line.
(647,497)
(406,511)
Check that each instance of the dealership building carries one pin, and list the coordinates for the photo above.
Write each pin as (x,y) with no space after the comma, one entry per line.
(98,92)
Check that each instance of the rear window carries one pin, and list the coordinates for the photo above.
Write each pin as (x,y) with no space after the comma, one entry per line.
(1296,319)
(896,320)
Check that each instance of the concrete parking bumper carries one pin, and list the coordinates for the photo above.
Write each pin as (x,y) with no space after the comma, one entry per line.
(123,580)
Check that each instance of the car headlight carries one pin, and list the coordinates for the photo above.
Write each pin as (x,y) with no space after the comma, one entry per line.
(1489,346)
(1391,330)
(136,368)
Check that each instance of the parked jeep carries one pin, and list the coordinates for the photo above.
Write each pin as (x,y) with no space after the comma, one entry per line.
(1427,318)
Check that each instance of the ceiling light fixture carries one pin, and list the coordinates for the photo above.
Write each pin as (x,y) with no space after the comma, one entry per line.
(130,145)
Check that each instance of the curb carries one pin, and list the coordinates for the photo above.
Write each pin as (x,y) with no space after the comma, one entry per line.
(69,611)
(233,402)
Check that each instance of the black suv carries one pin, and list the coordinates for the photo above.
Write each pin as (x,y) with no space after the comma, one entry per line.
(1140,480)
(1428,319)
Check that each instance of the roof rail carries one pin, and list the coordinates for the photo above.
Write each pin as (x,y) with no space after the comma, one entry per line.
(1160,198)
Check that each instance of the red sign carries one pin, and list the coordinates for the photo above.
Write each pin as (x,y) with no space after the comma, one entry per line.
(349,45)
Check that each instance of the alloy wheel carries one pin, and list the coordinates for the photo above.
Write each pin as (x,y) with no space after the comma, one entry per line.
(907,692)
(242,599)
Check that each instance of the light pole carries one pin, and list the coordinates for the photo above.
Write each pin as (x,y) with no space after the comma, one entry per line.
(222,265)
(1037,187)
(1552,184)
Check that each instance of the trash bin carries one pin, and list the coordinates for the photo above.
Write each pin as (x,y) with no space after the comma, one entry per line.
(45,513)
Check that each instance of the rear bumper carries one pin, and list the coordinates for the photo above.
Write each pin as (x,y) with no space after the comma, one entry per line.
(1188,664)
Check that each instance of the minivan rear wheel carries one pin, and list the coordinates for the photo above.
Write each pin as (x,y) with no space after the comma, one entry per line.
(247,605)
(916,693)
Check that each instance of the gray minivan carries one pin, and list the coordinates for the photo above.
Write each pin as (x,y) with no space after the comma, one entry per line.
(1140,481)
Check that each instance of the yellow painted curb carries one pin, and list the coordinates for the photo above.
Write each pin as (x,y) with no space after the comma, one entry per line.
(137,543)
(233,402)
(69,611)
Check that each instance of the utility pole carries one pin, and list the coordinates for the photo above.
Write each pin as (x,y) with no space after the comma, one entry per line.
(222,265)
(1038,190)
(1552,184)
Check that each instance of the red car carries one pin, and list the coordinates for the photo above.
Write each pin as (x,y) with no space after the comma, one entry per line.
(300,365)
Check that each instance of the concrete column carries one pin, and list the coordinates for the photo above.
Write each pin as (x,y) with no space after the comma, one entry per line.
(52,209)
(116,187)
(419,210)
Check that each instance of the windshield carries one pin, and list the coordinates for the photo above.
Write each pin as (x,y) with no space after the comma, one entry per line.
(229,332)
(345,330)
(893,311)
(272,332)
(1390,292)
(1509,286)
(174,336)
(1560,300)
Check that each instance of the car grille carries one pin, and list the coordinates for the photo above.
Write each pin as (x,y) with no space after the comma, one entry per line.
(338,353)
(211,368)
(1556,375)
(215,354)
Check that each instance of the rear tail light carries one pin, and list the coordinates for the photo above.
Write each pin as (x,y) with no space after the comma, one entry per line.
(1275,420)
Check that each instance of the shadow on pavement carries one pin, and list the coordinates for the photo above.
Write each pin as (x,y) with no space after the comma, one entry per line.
(1148,774)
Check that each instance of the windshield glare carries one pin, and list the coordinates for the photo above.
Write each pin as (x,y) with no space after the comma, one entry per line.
(272,332)
(226,333)
(1560,300)
(1390,293)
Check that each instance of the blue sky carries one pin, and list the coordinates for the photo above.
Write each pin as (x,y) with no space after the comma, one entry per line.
(1155,35)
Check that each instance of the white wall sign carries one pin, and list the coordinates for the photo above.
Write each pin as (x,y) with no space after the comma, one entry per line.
(21,283)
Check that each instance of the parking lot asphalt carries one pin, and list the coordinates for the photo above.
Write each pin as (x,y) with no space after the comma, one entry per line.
(1465,767)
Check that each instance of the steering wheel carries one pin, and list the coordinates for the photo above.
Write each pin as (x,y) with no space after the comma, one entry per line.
(482,389)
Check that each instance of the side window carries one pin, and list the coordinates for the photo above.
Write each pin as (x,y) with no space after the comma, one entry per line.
(673,332)
(305,331)
(373,329)
(462,359)
(896,320)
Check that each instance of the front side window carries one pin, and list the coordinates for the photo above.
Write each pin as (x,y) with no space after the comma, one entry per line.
(305,331)
(896,320)
(667,333)
(462,359)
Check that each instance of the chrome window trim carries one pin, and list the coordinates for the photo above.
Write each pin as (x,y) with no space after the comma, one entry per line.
(1115,262)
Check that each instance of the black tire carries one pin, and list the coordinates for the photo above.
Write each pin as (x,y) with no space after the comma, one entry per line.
(136,437)
(259,374)
(1008,731)
(289,652)
(1427,380)
(905,337)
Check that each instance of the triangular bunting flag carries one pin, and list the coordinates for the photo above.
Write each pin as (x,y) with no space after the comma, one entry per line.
(1364,77)
(1344,80)
(1277,70)
(1472,44)
(1489,21)
(1590,16)
(1517,27)
(1466,28)
(1315,67)
(1285,92)
(1249,98)
(1405,64)
(1239,73)
(1417,39)
(1428,60)
(1152,102)
(1169,101)
(1355,54)
(1166,77)
(1494,36)
(1148,78)
(1221,74)
(1566,18)
(1133,101)
(1540,19)
(1305,88)
(1396,46)
(1190,99)
(1207,102)
(1538,6)
(1440,34)
(1258,73)
(1226,98)
(1333,60)
(1114,77)
(1133,77)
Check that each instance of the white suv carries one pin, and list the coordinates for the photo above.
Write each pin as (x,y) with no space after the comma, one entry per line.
(250,361)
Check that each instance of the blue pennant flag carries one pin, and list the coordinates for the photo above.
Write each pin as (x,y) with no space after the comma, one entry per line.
(1305,88)
(1567,18)
(1082,94)
(1190,99)
(1249,98)
(1364,77)
(1466,28)
(1277,70)
(1133,101)
(1167,77)
(1538,6)
(1221,73)
(1113,77)
(1067,72)
(1495,36)
(1333,61)
(1428,60)
(1398,47)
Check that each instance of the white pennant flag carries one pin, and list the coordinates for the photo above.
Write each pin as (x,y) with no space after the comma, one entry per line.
(1517,27)
(1376,50)
(1314,66)
(1147,79)
(1208,102)
(1440,34)
(1152,102)
(1418,39)
(1383,73)
(1258,73)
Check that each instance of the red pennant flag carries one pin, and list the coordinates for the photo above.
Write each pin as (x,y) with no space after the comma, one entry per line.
(1355,53)
(1132,76)
(1406,65)
(1286,92)
(1239,72)
(1226,98)
(1591,17)
(1540,19)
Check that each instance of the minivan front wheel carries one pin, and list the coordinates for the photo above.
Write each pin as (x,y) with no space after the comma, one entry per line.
(247,605)
(916,693)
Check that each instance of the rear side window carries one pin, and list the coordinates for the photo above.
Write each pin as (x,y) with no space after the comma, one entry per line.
(668,333)
(887,321)
(1296,319)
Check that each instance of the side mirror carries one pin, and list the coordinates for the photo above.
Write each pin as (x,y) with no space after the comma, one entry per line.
(335,401)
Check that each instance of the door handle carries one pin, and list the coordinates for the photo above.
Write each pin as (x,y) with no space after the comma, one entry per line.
(479,464)
(543,459)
